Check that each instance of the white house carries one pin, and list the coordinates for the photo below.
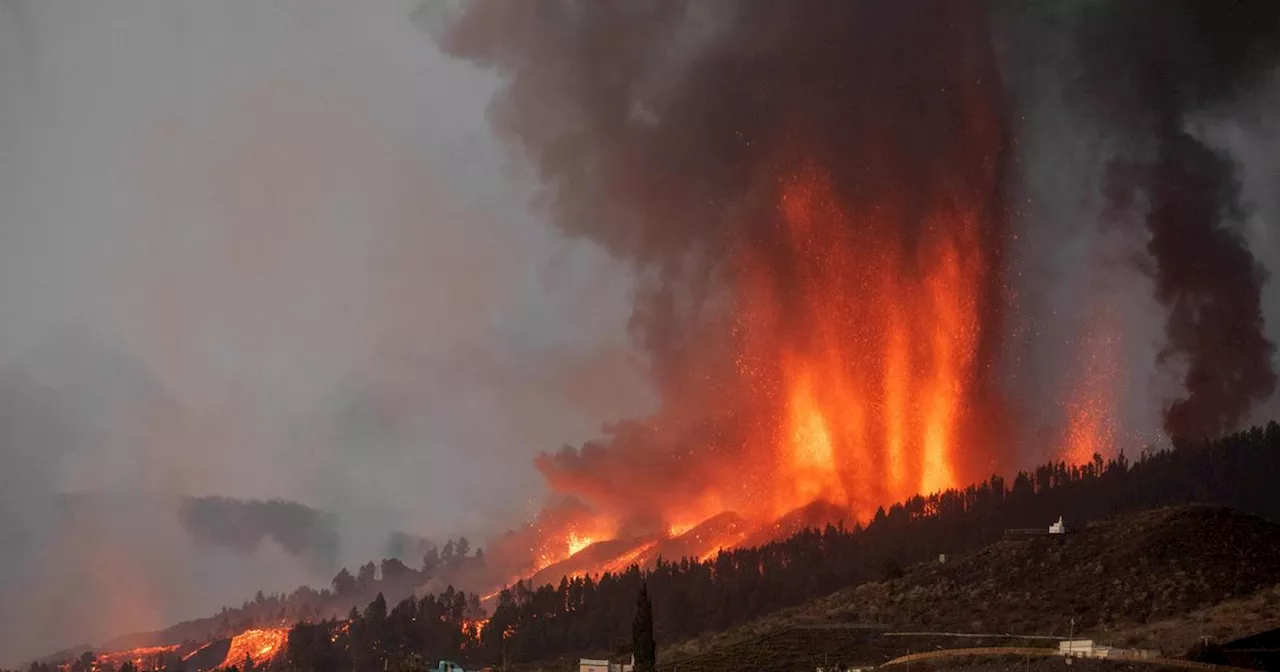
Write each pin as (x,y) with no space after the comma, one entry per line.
(1058,527)
(1078,648)
(591,665)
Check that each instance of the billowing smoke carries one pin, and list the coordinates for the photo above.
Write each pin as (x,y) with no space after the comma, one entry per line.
(816,206)
(1149,72)
(820,201)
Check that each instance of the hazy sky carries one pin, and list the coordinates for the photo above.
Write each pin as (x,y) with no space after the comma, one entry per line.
(273,250)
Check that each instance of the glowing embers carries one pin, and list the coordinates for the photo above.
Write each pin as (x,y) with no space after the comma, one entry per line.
(862,352)
(1090,407)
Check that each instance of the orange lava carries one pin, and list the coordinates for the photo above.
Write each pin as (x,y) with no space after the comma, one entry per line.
(854,376)
(577,543)
(557,545)
(677,529)
(477,624)
(258,645)
(622,562)
(142,658)
(869,366)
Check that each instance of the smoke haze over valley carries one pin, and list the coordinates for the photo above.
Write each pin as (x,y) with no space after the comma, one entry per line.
(266,251)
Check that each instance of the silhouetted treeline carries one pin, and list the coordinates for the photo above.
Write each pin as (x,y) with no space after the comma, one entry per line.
(412,636)
(87,662)
(390,577)
(594,614)
(456,561)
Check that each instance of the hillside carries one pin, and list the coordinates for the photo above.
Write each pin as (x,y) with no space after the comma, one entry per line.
(591,615)
(1114,578)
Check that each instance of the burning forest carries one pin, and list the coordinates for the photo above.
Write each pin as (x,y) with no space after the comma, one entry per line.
(820,201)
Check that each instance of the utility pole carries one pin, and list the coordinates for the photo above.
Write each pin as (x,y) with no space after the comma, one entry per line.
(1071,638)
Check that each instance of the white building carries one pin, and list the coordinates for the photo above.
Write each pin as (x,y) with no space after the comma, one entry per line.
(592,665)
(1058,527)
(1079,648)
(1087,648)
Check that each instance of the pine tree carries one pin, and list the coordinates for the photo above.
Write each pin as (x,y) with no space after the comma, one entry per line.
(642,634)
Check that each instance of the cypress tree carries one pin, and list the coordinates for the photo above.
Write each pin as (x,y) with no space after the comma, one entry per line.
(642,634)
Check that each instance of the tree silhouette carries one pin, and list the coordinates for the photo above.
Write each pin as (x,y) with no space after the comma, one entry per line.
(642,633)
(344,584)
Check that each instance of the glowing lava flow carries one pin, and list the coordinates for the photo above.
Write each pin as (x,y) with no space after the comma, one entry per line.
(141,658)
(622,562)
(257,645)
(677,529)
(577,543)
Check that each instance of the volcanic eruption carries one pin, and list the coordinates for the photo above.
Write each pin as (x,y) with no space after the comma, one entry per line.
(820,245)
(815,199)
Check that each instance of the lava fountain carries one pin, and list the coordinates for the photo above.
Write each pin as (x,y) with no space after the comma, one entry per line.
(817,219)
(866,372)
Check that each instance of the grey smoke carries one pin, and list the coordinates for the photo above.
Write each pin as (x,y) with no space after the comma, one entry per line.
(265,251)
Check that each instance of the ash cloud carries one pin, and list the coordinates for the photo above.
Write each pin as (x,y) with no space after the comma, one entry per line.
(1149,75)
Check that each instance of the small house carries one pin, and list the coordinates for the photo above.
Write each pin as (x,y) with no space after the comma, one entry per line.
(1076,648)
(593,665)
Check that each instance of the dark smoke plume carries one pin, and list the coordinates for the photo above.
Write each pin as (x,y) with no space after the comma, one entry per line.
(1149,70)
(660,130)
